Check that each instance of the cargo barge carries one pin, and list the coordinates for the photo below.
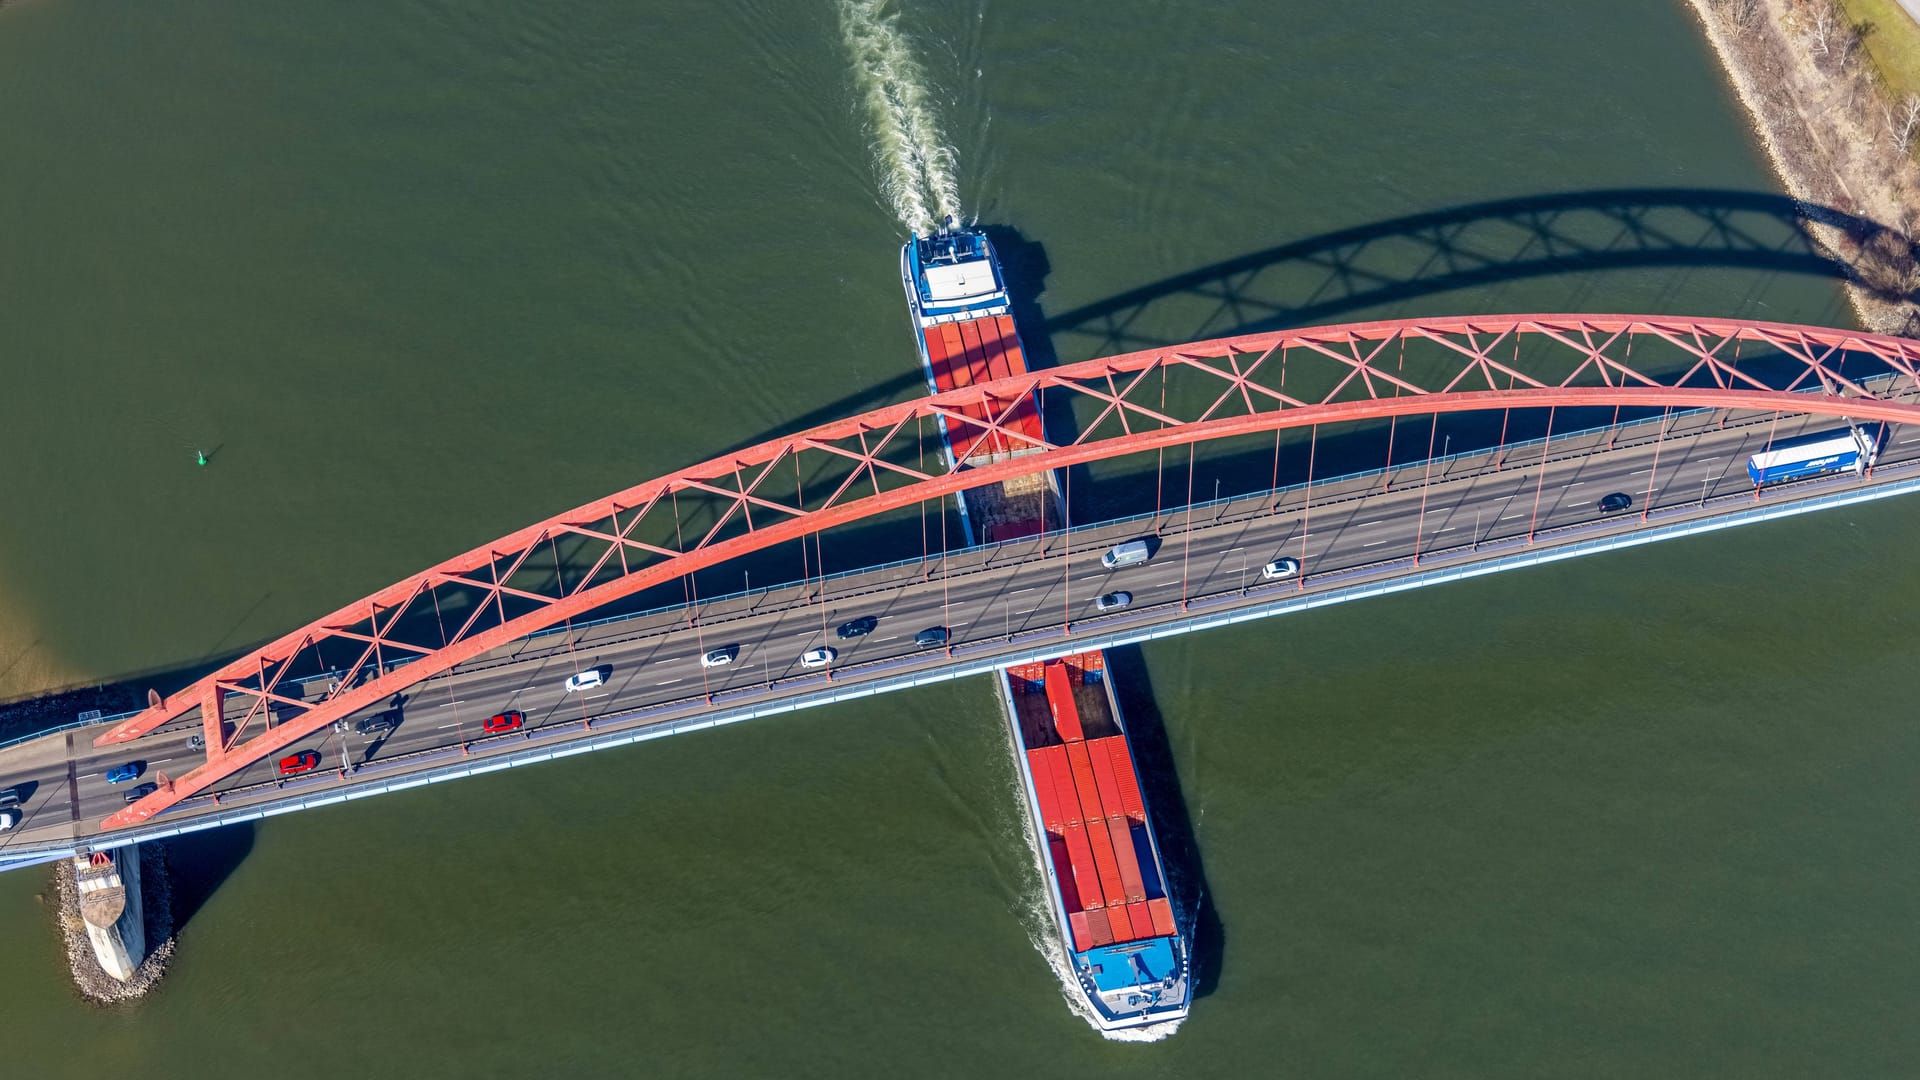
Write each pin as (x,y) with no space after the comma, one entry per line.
(1106,882)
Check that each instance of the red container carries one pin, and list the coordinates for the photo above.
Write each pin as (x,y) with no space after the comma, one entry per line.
(1082,931)
(1102,760)
(1086,874)
(1162,913)
(937,357)
(1063,873)
(1121,832)
(976,350)
(1141,919)
(1085,788)
(1099,927)
(1122,759)
(1066,715)
(1063,786)
(1049,799)
(1112,891)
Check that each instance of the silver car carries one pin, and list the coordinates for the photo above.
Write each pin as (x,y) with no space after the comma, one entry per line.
(1113,601)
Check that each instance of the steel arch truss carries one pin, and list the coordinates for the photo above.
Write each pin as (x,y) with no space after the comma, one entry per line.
(791,487)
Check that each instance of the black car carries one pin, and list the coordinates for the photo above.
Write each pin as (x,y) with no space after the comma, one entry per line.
(134,795)
(1616,502)
(378,723)
(859,627)
(931,638)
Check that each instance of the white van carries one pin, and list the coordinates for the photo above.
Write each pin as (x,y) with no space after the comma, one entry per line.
(1127,554)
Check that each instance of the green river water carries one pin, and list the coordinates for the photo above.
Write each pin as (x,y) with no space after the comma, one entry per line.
(419,273)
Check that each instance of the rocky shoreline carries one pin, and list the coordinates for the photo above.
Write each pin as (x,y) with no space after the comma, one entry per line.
(93,983)
(1832,138)
(30,716)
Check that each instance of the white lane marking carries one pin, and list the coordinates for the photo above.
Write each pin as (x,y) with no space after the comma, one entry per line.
(895,637)
(1376,543)
(1576,484)
(1365,524)
(670,682)
(1641,472)
(1017,592)
(1716,457)
(444,704)
(1449,528)
(1510,517)
(444,727)
(1162,584)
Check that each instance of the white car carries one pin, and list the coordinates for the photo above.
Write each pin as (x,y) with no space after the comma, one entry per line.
(820,657)
(1281,569)
(720,657)
(586,680)
(8,819)
(1112,601)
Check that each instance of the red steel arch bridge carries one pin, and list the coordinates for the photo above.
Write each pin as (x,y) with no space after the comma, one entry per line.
(900,456)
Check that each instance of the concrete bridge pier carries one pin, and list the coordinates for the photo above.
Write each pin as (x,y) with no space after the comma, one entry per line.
(107,884)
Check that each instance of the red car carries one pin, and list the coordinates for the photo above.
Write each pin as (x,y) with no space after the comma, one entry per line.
(295,764)
(506,721)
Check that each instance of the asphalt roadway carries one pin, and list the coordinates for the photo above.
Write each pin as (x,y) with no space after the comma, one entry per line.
(1355,529)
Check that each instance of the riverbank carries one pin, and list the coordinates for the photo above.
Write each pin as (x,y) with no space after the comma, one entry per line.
(1826,128)
(94,983)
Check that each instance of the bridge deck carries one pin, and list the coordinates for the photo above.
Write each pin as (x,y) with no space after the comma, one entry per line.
(1004,600)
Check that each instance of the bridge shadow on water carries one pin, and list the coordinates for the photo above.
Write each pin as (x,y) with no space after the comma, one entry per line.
(199,863)
(1324,278)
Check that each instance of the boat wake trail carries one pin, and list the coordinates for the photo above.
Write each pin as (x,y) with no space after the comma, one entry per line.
(916,165)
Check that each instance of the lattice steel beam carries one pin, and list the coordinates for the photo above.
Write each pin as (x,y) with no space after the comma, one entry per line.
(884,460)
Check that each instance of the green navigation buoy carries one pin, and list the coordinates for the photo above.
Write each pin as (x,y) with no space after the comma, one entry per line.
(199,457)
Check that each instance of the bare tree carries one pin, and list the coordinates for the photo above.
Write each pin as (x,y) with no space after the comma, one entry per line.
(1743,15)
(1824,29)
(1903,121)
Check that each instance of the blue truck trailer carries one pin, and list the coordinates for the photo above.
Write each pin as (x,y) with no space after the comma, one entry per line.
(1849,449)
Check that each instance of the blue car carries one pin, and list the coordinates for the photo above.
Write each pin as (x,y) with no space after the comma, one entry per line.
(120,774)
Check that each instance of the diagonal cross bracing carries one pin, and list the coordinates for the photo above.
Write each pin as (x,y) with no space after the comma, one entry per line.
(665,528)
